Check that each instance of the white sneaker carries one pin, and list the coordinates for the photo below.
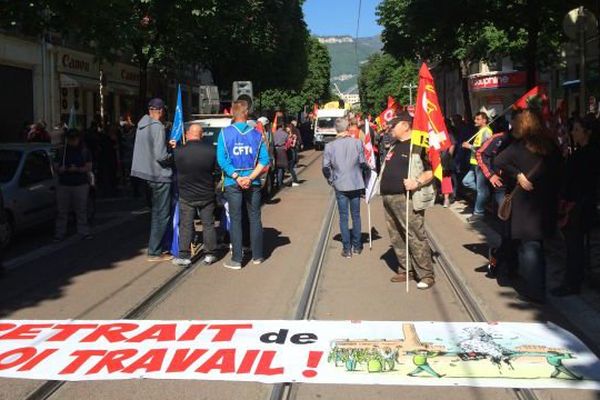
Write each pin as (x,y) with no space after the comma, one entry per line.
(209,259)
(232,264)
(295,184)
(182,262)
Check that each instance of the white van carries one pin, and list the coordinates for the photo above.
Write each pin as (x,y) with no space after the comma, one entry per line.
(325,126)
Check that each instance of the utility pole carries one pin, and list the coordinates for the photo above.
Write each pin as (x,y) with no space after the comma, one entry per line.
(410,88)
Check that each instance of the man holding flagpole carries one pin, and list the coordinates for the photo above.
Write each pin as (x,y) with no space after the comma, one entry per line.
(149,151)
(406,183)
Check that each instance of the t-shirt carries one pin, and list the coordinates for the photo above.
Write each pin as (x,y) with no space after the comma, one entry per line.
(196,164)
(77,157)
(396,167)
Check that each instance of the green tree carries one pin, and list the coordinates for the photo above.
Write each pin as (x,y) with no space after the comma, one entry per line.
(382,76)
(314,88)
(462,32)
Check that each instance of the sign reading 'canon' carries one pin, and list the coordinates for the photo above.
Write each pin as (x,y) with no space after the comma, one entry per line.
(75,64)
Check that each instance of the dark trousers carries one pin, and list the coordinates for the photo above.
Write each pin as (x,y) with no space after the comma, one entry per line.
(532,265)
(252,198)
(574,233)
(349,205)
(161,211)
(187,213)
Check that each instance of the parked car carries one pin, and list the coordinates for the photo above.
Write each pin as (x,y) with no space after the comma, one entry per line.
(28,183)
(4,227)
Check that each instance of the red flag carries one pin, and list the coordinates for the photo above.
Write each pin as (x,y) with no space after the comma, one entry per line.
(429,126)
(535,99)
(368,146)
(391,111)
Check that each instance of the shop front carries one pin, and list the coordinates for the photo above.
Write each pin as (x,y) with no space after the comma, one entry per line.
(79,86)
(123,90)
(496,91)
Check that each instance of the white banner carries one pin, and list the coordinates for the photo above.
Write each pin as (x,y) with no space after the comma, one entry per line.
(335,352)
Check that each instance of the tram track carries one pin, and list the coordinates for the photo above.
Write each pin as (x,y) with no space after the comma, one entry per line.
(140,310)
(289,391)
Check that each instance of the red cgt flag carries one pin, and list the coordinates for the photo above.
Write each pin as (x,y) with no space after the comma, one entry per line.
(391,110)
(429,126)
(535,99)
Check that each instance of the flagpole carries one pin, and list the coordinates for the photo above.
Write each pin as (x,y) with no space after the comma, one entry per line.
(406,220)
(369,218)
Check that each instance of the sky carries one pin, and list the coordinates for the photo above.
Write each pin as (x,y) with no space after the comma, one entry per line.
(338,17)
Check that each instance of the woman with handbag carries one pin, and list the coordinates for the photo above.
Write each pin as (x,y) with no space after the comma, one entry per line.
(532,164)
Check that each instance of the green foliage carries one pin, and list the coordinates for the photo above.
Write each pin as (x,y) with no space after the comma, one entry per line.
(314,88)
(258,40)
(384,76)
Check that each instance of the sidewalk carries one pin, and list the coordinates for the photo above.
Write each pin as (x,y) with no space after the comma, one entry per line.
(582,311)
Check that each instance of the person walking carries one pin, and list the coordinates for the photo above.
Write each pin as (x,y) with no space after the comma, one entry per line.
(293,146)
(532,161)
(474,179)
(149,152)
(578,202)
(394,185)
(73,186)
(196,166)
(344,164)
(280,141)
(242,156)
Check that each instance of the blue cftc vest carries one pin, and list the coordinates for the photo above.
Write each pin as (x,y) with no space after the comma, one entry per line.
(242,147)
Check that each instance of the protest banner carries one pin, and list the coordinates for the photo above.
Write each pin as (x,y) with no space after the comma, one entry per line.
(523,355)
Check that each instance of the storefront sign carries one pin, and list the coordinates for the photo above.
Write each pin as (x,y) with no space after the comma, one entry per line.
(498,80)
(520,355)
(123,73)
(76,63)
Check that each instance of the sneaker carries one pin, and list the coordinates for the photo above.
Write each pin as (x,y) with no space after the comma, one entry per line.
(160,258)
(182,262)
(475,218)
(425,283)
(258,261)
(357,251)
(209,259)
(346,253)
(232,264)
(401,277)
(295,184)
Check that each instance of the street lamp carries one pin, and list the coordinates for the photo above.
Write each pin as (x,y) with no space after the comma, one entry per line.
(575,24)
(410,88)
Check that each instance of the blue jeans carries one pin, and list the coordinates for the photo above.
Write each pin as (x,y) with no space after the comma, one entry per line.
(252,197)
(532,265)
(349,203)
(161,215)
(475,180)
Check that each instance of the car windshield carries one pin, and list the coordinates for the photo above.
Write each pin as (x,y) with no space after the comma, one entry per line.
(9,162)
(211,135)
(325,123)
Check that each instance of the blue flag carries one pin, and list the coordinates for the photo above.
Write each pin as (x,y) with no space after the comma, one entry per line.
(177,130)
(176,135)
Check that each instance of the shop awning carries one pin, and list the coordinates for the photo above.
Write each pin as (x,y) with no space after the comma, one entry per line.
(119,88)
(72,81)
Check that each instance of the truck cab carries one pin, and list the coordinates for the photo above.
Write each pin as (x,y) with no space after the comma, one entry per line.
(325,126)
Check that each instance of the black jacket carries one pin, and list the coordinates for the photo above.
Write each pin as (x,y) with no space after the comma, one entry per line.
(534,214)
(196,163)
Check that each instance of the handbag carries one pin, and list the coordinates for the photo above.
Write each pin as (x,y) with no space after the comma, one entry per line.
(505,209)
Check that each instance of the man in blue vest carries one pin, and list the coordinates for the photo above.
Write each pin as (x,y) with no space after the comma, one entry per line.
(242,155)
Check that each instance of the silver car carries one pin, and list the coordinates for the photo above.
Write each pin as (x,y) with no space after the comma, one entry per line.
(28,185)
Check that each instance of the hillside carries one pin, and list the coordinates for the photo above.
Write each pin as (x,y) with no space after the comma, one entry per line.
(344,70)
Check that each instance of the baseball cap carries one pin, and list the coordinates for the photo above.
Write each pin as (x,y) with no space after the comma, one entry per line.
(263,120)
(402,116)
(156,103)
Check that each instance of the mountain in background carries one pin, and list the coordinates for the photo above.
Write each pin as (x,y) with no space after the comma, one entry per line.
(343,50)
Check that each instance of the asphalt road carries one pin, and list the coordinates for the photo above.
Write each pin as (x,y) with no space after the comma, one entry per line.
(107,277)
